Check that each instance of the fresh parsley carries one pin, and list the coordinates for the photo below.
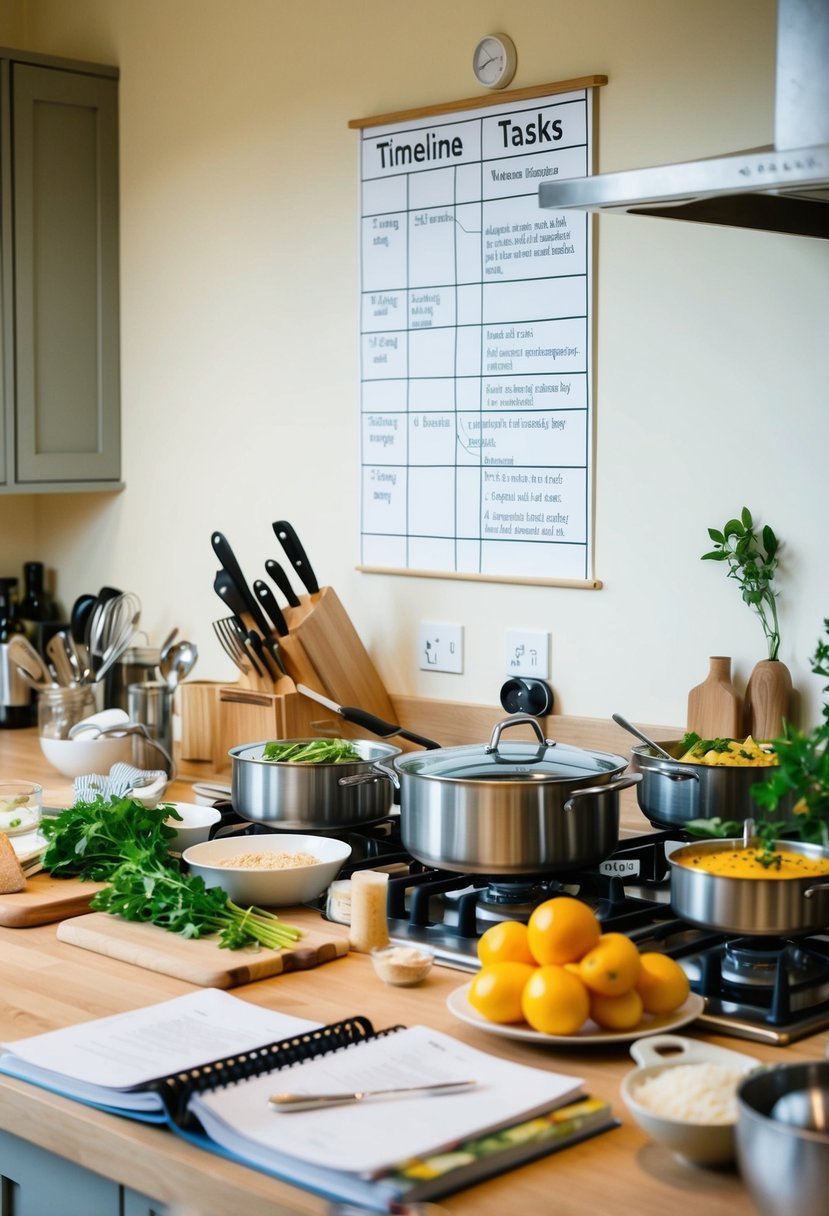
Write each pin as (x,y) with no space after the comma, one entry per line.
(753,563)
(314,751)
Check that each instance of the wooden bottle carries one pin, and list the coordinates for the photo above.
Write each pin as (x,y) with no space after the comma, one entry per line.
(715,709)
(768,700)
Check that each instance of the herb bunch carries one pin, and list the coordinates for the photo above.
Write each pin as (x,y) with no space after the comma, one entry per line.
(753,563)
(126,844)
(315,751)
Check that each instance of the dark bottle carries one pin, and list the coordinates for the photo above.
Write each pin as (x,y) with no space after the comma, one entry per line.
(35,605)
(16,707)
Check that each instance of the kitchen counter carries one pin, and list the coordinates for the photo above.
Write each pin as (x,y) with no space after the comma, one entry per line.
(48,984)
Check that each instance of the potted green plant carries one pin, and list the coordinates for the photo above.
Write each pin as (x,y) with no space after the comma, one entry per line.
(753,562)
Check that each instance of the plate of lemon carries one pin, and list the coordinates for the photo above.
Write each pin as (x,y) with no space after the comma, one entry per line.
(560,979)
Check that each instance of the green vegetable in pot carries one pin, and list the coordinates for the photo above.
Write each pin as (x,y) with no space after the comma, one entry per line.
(315,751)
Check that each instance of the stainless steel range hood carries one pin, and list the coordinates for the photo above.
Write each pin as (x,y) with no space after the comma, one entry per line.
(784,188)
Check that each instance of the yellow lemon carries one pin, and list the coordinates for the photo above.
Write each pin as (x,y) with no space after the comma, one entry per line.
(505,943)
(496,991)
(612,967)
(561,930)
(616,1012)
(662,984)
(555,1001)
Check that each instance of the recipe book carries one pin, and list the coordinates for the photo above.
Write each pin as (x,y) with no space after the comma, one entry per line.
(207,1063)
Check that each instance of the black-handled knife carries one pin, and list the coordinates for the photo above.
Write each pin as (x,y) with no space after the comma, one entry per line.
(296,555)
(282,581)
(268,601)
(227,557)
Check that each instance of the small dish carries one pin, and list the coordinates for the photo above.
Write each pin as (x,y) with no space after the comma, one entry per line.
(710,1143)
(402,966)
(78,757)
(193,826)
(21,803)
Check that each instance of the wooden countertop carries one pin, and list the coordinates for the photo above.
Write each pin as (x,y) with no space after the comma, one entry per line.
(47,984)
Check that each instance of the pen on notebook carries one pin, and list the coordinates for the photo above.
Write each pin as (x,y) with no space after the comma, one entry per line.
(289,1103)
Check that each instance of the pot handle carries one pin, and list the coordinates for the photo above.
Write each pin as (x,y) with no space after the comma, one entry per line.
(819,886)
(621,783)
(379,770)
(517,720)
(673,774)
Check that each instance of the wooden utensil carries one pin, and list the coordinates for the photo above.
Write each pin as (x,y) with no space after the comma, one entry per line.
(715,709)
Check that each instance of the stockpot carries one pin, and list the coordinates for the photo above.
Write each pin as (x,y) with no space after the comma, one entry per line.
(781,907)
(509,807)
(309,797)
(672,792)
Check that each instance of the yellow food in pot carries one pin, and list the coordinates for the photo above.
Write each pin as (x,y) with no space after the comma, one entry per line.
(732,753)
(754,863)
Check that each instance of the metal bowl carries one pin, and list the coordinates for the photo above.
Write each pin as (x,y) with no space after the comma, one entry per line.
(785,1168)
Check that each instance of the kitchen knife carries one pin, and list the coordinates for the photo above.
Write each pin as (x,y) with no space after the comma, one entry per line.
(282,581)
(268,601)
(231,566)
(370,722)
(296,555)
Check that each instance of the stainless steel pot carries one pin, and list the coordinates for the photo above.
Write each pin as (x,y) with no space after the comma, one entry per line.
(785,1168)
(671,793)
(309,797)
(507,808)
(749,906)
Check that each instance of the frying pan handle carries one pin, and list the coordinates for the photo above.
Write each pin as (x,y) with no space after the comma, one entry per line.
(621,783)
(517,720)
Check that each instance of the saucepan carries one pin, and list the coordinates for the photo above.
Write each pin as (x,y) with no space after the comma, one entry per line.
(509,807)
(779,906)
(310,797)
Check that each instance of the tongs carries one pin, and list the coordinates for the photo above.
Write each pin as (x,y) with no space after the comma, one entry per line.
(288,1103)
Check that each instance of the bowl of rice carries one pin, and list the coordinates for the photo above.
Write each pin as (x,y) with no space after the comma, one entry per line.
(684,1096)
(270,871)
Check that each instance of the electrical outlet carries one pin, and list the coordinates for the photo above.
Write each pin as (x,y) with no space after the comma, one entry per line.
(527,653)
(440,647)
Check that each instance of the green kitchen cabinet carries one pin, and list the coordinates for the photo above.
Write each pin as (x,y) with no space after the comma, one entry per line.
(61,425)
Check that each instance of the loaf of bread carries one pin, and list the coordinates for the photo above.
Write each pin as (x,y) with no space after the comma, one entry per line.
(12,878)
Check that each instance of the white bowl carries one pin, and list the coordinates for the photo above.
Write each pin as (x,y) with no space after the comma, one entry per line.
(265,887)
(79,757)
(194,826)
(697,1143)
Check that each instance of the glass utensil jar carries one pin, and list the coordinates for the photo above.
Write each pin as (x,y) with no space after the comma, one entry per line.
(59,709)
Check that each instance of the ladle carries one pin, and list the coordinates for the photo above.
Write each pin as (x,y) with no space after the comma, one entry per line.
(634,730)
(806,1108)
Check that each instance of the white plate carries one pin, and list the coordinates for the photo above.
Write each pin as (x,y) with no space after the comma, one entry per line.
(32,844)
(589,1034)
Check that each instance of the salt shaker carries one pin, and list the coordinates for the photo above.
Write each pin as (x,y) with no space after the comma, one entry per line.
(369,925)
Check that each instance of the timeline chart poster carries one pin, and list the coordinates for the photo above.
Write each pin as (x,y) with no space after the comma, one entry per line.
(476,352)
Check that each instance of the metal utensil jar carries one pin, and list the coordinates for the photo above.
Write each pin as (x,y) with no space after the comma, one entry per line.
(309,797)
(671,792)
(513,807)
(749,906)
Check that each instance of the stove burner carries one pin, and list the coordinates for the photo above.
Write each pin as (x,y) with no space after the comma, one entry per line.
(758,963)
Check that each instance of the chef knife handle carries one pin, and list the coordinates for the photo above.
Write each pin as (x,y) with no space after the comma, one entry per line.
(227,557)
(282,581)
(268,601)
(296,555)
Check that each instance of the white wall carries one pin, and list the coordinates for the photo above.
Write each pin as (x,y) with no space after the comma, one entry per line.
(239,333)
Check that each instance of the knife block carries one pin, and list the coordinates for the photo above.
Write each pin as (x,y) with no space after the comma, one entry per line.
(217,717)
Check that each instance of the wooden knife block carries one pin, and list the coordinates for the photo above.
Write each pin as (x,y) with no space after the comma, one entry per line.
(216,717)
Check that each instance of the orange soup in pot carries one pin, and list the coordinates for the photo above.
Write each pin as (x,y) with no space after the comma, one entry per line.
(754,862)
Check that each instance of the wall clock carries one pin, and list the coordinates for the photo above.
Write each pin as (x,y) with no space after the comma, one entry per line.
(494,61)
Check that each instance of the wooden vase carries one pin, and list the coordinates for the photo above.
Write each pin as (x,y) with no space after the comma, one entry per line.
(715,709)
(768,699)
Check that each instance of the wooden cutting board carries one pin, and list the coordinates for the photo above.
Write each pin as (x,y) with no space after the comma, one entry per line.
(46,899)
(199,961)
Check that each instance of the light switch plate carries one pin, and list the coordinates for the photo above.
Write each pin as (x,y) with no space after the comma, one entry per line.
(527,653)
(440,647)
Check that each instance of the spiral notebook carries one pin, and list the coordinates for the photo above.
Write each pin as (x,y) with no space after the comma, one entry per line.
(206,1063)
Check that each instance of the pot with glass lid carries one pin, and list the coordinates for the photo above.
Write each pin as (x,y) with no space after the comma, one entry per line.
(509,806)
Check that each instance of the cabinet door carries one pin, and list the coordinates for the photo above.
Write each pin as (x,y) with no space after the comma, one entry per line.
(65,222)
(36,1183)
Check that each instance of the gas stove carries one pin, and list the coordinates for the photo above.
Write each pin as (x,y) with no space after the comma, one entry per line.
(769,990)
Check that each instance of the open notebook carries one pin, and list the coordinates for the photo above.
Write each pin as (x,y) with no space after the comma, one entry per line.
(207,1063)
